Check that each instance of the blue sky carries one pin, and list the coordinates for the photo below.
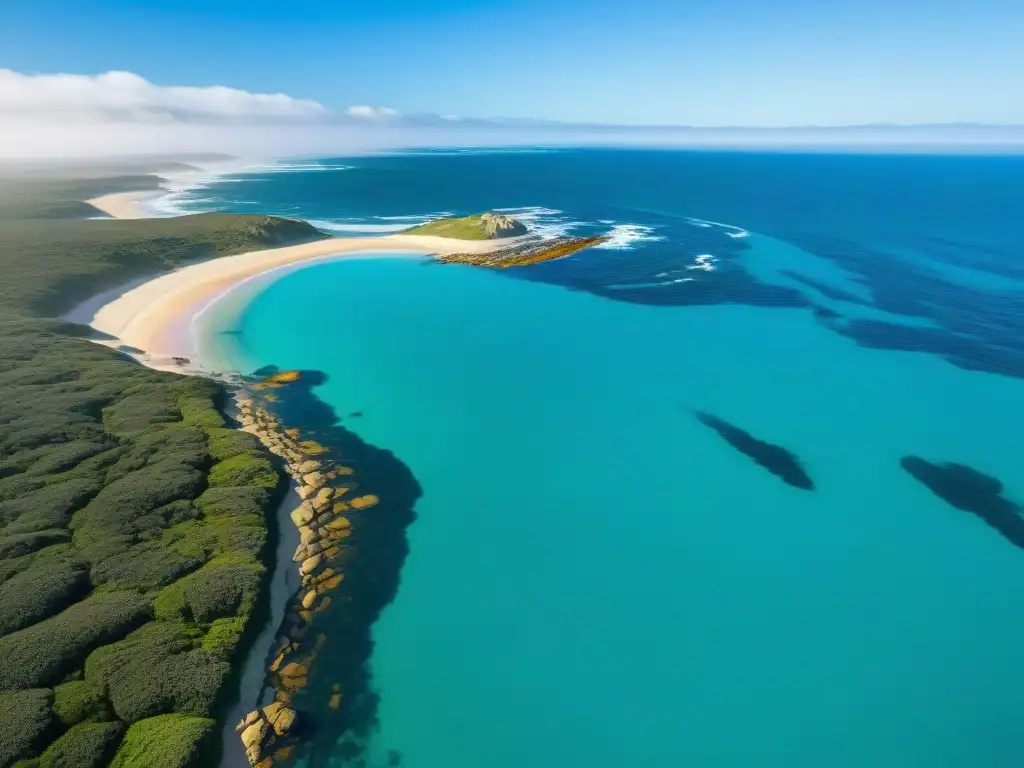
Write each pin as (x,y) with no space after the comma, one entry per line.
(726,62)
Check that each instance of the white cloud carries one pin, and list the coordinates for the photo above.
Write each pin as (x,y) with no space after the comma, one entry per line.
(126,97)
(67,115)
(364,111)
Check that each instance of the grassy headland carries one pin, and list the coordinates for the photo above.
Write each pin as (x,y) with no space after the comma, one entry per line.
(479,226)
(132,519)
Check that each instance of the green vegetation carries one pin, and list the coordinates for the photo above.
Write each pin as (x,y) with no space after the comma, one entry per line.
(89,745)
(132,520)
(26,717)
(479,226)
(165,741)
(80,701)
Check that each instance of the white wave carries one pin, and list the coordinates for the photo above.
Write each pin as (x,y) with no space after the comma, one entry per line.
(703,262)
(180,187)
(338,226)
(623,236)
(731,229)
(605,221)
(419,218)
(545,223)
(659,284)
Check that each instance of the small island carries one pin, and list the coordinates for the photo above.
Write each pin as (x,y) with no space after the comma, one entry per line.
(523,250)
(479,226)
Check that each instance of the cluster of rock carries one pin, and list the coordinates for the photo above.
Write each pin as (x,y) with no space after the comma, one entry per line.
(523,254)
(328,493)
(499,225)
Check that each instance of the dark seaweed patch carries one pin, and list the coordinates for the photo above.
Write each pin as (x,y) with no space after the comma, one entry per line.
(782,463)
(967,489)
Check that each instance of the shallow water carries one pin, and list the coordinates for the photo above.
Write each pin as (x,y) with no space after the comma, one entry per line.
(597,578)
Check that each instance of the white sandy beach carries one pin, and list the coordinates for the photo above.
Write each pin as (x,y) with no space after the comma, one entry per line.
(155,316)
(124,205)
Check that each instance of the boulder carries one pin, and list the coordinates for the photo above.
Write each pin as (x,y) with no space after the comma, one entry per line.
(309,564)
(338,524)
(294,676)
(323,498)
(365,502)
(315,479)
(246,721)
(280,717)
(302,515)
(252,739)
(308,466)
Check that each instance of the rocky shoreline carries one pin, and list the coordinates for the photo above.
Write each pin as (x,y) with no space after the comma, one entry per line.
(323,521)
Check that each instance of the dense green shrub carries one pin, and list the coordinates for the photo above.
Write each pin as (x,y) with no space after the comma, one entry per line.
(124,506)
(199,411)
(165,741)
(24,719)
(242,534)
(19,544)
(101,464)
(225,443)
(46,587)
(47,508)
(141,410)
(157,669)
(223,636)
(80,701)
(228,502)
(59,458)
(146,565)
(244,469)
(89,745)
(43,653)
(216,591)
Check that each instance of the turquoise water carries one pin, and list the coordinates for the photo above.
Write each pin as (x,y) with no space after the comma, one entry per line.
(597,579)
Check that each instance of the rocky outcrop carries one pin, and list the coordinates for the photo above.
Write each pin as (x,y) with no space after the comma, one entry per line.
(498,225)
(524,254)
(260,732)
(323,521)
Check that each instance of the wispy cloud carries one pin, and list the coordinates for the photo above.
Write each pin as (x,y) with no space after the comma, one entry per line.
(127,97)
(70,115)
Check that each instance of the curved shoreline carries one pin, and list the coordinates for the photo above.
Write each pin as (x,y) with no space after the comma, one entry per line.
(153,315)
(156,319)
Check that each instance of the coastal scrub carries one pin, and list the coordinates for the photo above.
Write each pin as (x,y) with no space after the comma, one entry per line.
(132,519)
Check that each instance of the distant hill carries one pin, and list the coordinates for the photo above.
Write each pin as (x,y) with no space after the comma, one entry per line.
(479,226)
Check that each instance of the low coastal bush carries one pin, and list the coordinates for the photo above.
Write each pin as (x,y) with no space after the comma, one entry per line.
(26,717)
(108,499)
(42,654)
(45,588)
(216,591)
(89,745)
(80,701)
(165,741)
(157,669)
(233,502)
(244,469)
(47,508)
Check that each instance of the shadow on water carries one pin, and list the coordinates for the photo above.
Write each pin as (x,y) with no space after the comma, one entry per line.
(780,462)
(336,731)
(972,491)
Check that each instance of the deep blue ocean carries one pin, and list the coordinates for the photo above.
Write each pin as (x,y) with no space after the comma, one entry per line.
(607,559)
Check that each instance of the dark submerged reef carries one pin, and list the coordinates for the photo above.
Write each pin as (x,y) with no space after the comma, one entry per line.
(780,462)
(323,674)
(969,490)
